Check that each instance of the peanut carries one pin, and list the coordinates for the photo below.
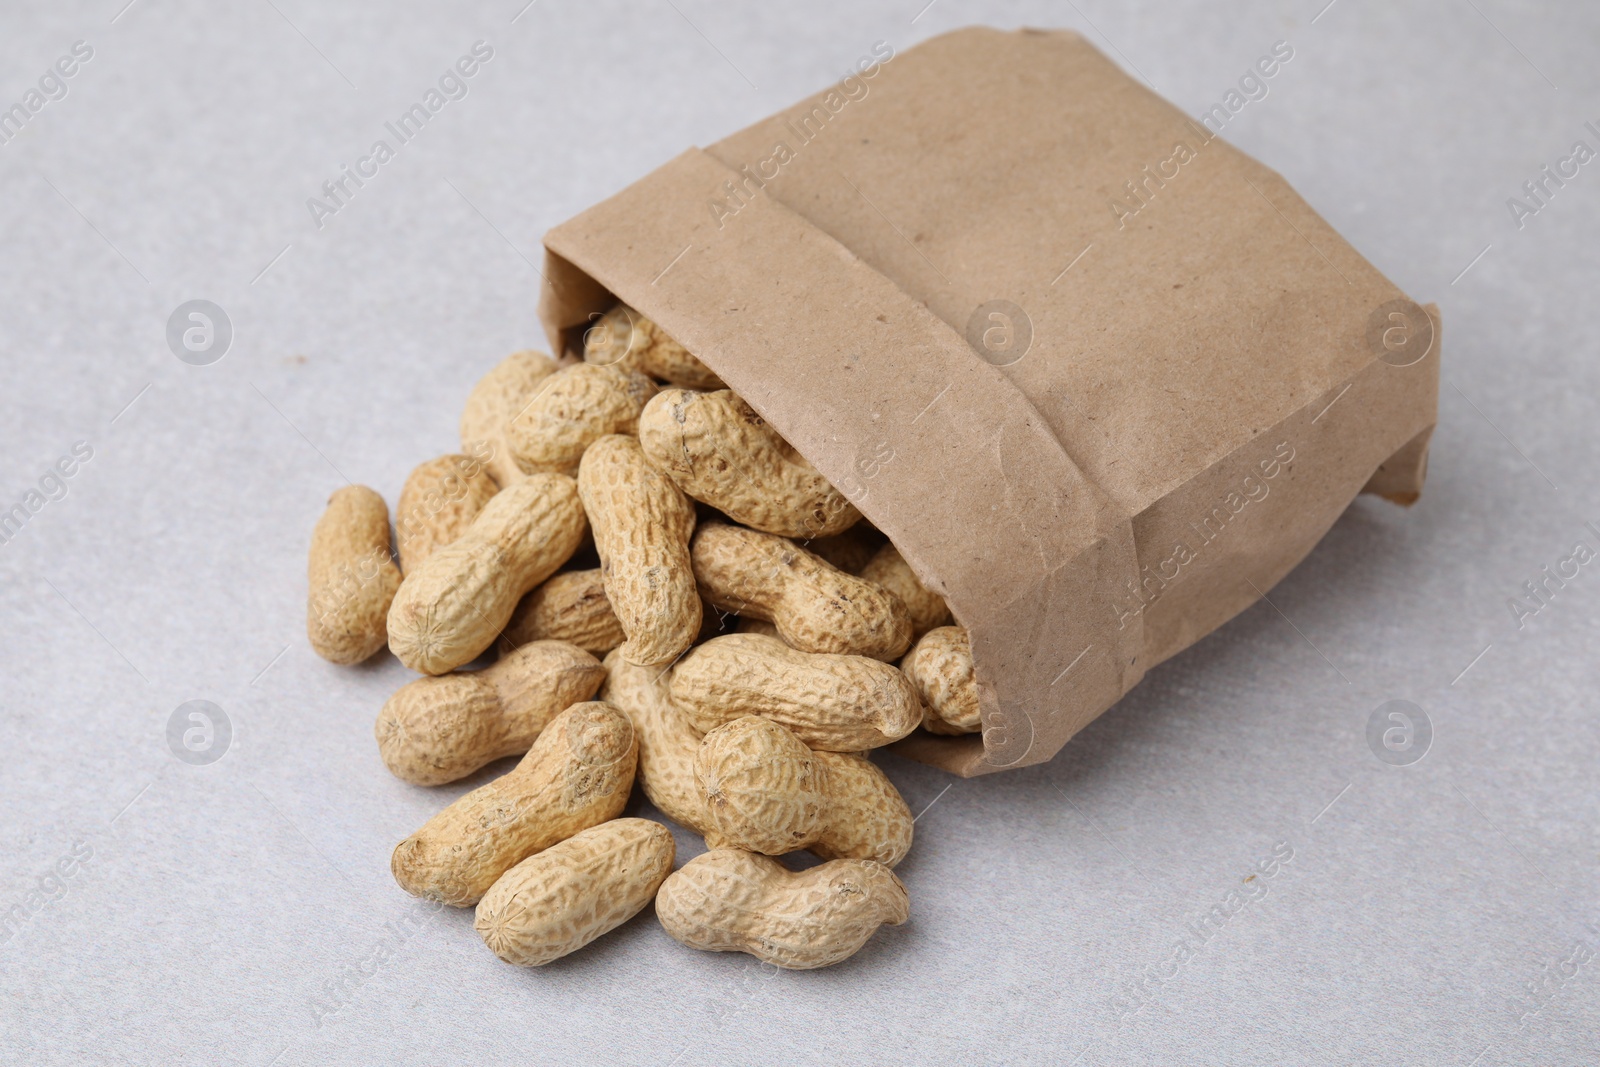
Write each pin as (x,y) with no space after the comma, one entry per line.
(438,503)
(570,606)
(940,668)
(559,900)
(577,775)
(573,408)
(667,740)
(732,901)
(832,702)
(435,730)
(642,525)
(889,569)
(815,607)
(456,603)
(497,397)
(765,791)
(625,338)
(351,577)
(722,453)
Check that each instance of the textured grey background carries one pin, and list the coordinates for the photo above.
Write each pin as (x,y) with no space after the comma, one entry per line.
(1441,913)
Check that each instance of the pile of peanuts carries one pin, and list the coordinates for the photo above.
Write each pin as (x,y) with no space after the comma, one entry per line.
(629,506)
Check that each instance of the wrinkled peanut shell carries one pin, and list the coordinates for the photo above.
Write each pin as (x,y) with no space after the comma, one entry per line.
(814,606)
(624,338)
(831,702)
(555,902)
(765,791)
(572,409)
(455,604)
(719,451)
(577,775)
(642,525)
(940,667)
(435,730)
(350,576)
(570,606)
(438,504)
(668,741)
(732,901)
(494,401)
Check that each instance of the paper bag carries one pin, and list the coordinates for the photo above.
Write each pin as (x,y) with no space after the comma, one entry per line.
(1100,376)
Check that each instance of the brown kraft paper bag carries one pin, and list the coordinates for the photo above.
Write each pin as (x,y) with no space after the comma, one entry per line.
(1102,378)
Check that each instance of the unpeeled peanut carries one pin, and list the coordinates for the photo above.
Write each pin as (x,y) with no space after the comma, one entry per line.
(558,900)
(494,401)
(642,525)
(940,668)
(570,606)
(765,791)
(888,569)
(624,338)
(832,702)
(351,577)
(815,607)
(455,604)
(577,775)
(728,900)
(572,409)
(668,741)
(435,730)
(719,451)
(438,503)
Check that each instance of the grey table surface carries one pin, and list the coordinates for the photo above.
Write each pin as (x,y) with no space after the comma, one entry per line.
(242,911)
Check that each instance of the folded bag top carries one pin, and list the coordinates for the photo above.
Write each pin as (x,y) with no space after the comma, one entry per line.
(1101,377)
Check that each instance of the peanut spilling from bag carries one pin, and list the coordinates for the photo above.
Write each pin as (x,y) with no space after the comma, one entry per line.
(351,577)
(722,453)
(624,338)
(559,900)
(455,604)
(765,791)
(577,775)
(642,525)
(814,606)
(941,669)
(837,703)
(668,741)
(755,739)
(497,398)
(438,504)
(889,570)
(436,730)
(572,409)
(732,901)
(570,606)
